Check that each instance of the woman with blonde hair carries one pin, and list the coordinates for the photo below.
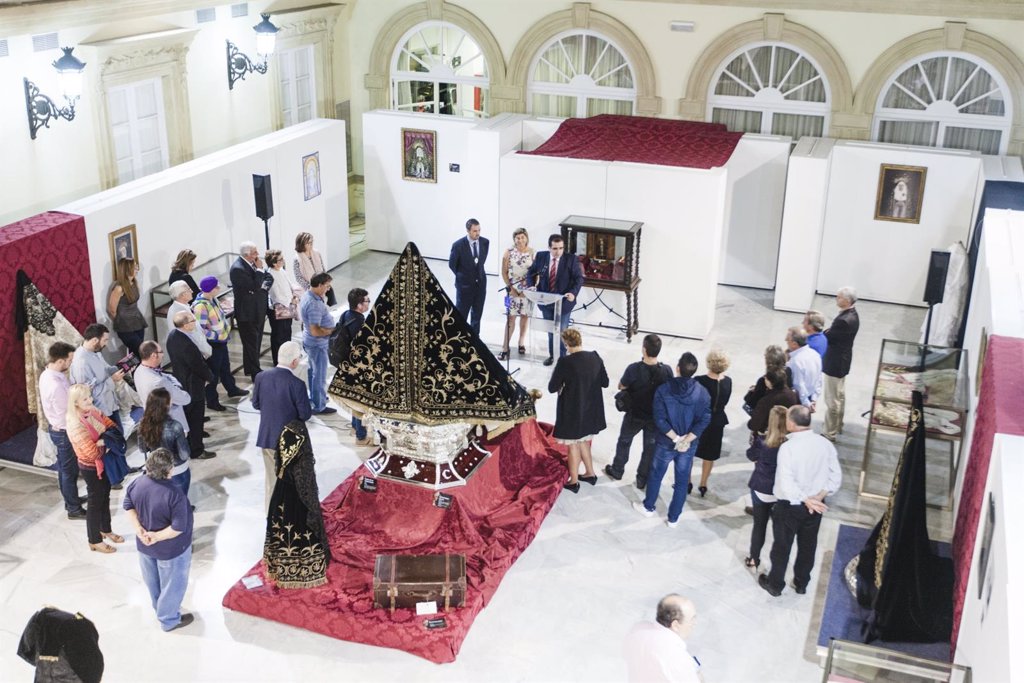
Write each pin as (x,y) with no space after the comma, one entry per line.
(578,378)
(123,306)
(308,262)
(764,452)
(514,265)
(719,388)
(181,271)
(85,425)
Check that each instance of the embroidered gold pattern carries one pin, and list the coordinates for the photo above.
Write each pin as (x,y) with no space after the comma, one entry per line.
(915,430)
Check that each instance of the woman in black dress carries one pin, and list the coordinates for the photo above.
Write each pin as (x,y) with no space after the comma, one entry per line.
(719,387)
(578,379)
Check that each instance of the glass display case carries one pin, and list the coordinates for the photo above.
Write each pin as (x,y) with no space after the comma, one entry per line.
(940,374)
(160,297)
(609,253)
(850,662)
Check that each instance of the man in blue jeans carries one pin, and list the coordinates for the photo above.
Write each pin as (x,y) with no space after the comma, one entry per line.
(316,334)
(53,396)
(162,518)
(682,411)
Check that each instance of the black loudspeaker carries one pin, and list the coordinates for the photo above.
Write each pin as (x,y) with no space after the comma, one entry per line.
(936,284)
(264,196)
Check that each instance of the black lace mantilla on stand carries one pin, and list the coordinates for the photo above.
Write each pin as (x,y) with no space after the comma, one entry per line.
(415,358)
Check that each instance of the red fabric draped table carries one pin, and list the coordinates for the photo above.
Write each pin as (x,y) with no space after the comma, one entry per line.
(491,521)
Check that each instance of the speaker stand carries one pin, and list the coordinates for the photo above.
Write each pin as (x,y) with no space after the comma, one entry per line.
(266,232)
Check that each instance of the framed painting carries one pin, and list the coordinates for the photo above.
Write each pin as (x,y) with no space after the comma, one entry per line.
(419,155)
(123,244)
(311,175)
(900,193)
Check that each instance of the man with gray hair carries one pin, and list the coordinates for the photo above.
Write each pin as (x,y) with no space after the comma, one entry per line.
(814,323)
(657,652)
(805,365)
(192,371)
(250,284)
(837,360)
(181,299)
(162,517)
(807,471)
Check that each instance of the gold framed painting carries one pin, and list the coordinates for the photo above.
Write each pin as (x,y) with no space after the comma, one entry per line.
(123,244)
(311,175)
(900,193)
(419,155)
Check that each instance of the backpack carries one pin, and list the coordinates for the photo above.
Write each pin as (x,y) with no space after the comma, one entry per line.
(340,343)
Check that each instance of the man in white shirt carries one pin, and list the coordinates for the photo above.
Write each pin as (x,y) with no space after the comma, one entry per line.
(807,471)
(657,652)
(53,396)
(805,364)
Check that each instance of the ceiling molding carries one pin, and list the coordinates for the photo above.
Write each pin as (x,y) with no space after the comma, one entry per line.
(961,9)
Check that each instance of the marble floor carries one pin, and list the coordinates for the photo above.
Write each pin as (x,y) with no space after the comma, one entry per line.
(595,568)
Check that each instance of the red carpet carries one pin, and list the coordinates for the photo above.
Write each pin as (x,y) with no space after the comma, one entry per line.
(491,521)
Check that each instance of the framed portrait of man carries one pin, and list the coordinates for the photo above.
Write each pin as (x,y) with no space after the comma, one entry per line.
(900,193)
(311,175)
(419,155)
(123,244)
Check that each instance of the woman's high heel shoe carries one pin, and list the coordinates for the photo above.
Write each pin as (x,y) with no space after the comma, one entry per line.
(592,480)
(114,538)
(703,490)
(522,350)
(102,548)
(503,355)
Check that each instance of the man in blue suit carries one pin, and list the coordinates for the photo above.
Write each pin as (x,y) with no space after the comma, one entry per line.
(280,397)
(556,271)
(467,262)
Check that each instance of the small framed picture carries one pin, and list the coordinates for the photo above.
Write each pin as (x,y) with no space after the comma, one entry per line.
(900,193)
(419,155)
(123,244)
(311,175)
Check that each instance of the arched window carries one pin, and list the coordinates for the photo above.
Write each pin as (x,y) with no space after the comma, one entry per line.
(439,69)
(952,100)
(580,74)
(770,88)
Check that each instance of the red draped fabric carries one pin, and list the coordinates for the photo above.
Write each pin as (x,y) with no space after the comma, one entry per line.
(51,248)
(491,521)
(998,412)
(610,137)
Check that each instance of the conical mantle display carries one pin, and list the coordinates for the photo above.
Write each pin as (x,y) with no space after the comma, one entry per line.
(415,358)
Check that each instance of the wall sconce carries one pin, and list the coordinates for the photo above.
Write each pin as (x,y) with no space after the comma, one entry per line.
(41,108)
(239,63)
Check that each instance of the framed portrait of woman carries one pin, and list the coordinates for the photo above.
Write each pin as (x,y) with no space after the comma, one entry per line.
(900,193)
(123,244)
(419,155)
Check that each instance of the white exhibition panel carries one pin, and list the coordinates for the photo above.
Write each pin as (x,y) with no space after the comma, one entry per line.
(990,624)
(207,205)
(887,260)
(803,223)
(756,190)
(680,243)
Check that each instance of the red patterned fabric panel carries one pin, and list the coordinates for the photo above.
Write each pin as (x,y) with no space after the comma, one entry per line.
(1002,394)
(491,521)
(51,248)
(638,139)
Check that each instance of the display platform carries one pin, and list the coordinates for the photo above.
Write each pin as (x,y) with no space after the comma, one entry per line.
(842,617)
(491,521)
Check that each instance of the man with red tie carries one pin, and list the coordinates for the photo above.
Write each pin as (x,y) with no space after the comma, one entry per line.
(556,271)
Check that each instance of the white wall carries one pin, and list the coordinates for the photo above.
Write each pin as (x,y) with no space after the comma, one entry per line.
(991,624)
(885,260)
(756,189)
(803,223)
(207,205)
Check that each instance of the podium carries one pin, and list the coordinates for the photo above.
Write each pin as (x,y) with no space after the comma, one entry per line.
(540,324)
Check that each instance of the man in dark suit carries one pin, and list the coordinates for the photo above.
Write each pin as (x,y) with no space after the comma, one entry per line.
(249,285)
(835,366)
(467,262)
(556,271)
(280,397)
(192,372)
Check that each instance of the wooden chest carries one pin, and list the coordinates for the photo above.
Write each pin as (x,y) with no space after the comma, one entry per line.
(404,580)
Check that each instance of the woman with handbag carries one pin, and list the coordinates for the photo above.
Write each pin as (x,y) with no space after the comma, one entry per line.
(764,452)
(123,306)
(159,430)
(309,262)
(85,425)
(214,323)
(284,301)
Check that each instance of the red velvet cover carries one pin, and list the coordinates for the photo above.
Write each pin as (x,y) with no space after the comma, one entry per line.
(610,137)
(999,411)
(51,248)
(491,521)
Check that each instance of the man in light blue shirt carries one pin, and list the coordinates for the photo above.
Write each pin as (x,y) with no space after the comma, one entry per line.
(89,367)
(805,363)
(316,334)
(814,323)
